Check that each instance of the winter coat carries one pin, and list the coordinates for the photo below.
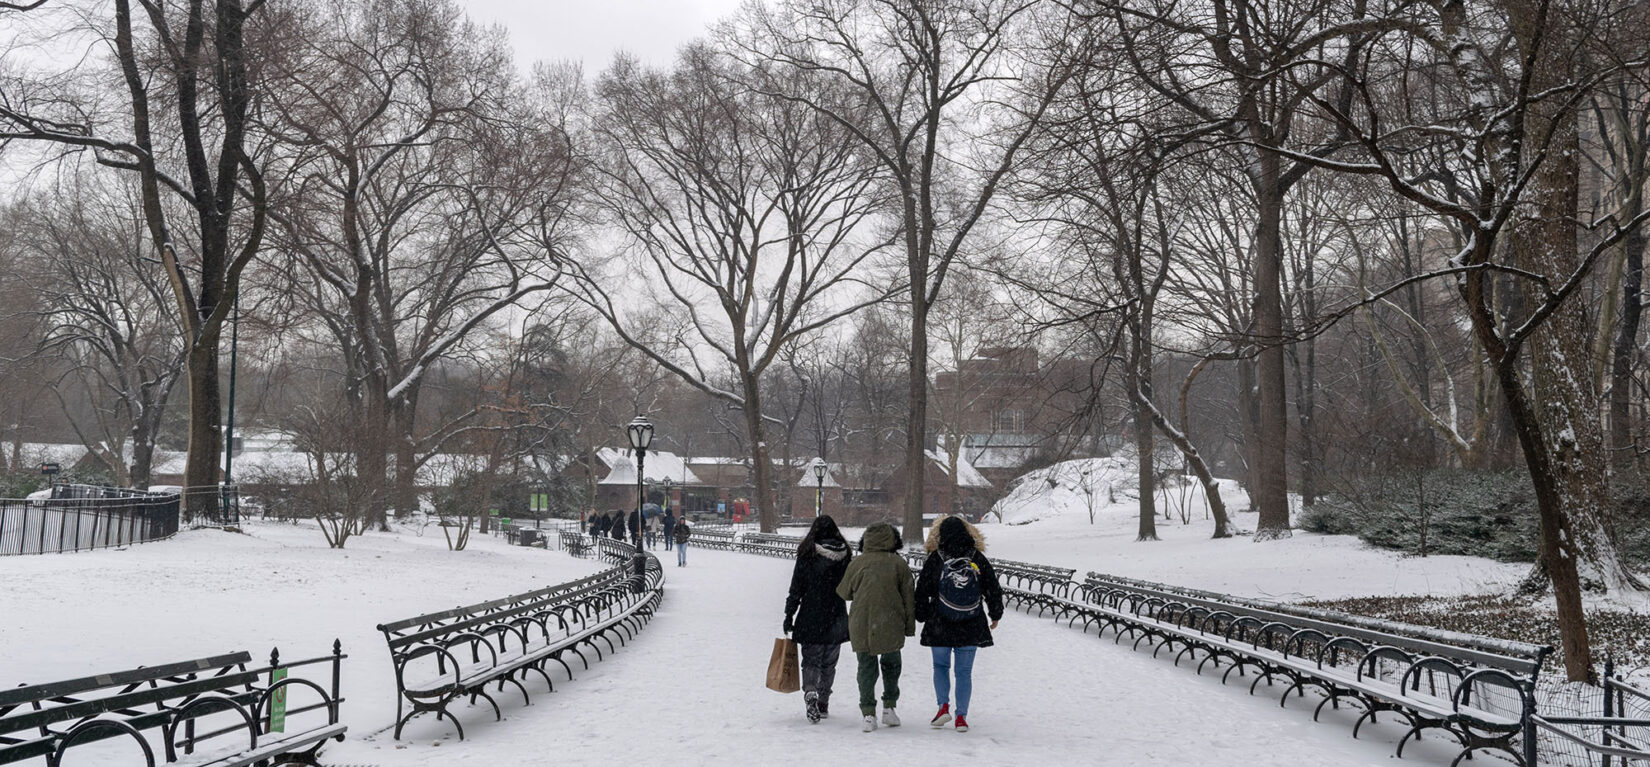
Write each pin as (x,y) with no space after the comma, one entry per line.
(878,582)
(683,531)
(670,524)
(821,616)
(937,630)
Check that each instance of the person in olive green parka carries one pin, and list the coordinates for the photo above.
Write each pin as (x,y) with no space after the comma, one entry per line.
(883,613)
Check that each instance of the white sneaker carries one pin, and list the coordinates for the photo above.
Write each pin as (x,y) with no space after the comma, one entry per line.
(870,723)
(890,718)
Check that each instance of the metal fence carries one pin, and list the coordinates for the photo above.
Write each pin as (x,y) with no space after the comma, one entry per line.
(78,522)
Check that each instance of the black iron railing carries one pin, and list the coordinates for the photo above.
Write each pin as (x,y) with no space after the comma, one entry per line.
(82,520)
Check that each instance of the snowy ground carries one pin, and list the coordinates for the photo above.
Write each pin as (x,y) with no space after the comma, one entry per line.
(208,592)
(689,690)
(1050,524)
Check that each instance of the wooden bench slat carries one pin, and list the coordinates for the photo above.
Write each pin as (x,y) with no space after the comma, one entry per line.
(30,693)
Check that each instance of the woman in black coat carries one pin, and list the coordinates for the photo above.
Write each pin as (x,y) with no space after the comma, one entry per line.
(815,617)
(956,553)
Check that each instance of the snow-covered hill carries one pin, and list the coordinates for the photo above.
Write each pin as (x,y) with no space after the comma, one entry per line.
(1084,514)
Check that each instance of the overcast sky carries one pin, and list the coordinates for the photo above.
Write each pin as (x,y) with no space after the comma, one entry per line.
(591,31)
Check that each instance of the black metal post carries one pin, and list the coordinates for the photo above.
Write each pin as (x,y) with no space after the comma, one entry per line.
(229,424)
(638,561)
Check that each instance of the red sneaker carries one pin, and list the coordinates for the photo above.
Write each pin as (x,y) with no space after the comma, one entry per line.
(962,724)
(942,717)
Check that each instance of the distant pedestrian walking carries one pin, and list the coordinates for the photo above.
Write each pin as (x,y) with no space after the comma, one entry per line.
(957,593)
(683,532)
(815,615)
(878,582)
(670,529)
(652,524)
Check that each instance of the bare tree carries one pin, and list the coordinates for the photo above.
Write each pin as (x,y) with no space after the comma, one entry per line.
(1497,137)
(103,309)
(426,192)
(752,214)
(941,95)
(183,131)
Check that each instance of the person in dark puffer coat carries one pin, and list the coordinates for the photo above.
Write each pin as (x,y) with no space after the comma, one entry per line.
(954,642)
(815,616)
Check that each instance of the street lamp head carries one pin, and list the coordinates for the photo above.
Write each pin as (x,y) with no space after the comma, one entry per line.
(819,469)
(640,431)
(668,483)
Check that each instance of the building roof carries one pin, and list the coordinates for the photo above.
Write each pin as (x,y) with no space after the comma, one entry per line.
(808,480)
(657,464)
(967,475)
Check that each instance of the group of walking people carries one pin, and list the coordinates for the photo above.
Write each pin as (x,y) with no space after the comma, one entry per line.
(660,524)
(956,597)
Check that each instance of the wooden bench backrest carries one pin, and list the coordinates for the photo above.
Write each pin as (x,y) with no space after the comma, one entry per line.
(464,619)
(495,605)
(1519,658)
(65,702)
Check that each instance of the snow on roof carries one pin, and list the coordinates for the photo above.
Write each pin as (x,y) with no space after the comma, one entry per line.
(657,464)
(66,453)
(967,475)
(808,479)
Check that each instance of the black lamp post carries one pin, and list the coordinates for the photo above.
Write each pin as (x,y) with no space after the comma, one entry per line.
(819,477)
(640,432)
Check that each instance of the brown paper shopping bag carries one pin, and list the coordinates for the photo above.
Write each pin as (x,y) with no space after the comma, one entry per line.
(784,667)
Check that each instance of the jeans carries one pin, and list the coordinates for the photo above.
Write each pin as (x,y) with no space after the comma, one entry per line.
(670,539)
(963,659)
(868,666)
(681,554)
(819,670)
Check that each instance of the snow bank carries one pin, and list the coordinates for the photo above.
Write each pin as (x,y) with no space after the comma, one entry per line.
(207,592)
(1046,518)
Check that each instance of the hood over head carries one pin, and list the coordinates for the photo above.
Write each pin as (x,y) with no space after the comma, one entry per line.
(954,536)
(880,536)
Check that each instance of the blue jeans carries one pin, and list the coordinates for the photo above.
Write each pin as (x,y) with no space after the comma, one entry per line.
(963,659)
(681,554)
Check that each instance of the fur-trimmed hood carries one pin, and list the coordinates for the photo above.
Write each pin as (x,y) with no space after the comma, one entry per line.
(932,543)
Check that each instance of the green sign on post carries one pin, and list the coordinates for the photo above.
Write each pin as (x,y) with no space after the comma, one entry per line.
(492,512)
(277,702)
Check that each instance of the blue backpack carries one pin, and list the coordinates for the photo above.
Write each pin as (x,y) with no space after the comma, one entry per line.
(959,589)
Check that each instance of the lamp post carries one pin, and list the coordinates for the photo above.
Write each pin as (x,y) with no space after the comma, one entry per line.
(229,423)
(819,477)
(640,432)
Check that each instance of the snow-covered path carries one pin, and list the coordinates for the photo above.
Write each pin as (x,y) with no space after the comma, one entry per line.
(689,691)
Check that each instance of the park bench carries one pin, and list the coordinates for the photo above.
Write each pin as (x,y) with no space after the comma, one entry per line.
(770,544)
(1477,689)
(702,536)
(502,641)
(1046,579)
(171,710)
(575,543)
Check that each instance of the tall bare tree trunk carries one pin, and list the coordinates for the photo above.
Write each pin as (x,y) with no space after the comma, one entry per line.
(1624,352)
(404,498)
(916,432)
(1140,381)
(761,458)
(200,471)
(1271,485)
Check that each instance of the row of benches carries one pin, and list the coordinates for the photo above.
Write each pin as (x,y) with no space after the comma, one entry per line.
(1477,689)
(705,536)
(166,712)
(442,656)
